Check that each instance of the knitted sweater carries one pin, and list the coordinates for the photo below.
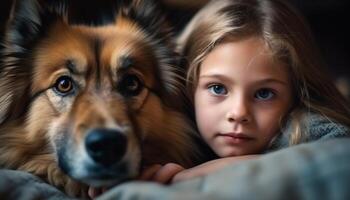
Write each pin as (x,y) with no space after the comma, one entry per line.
(313,127)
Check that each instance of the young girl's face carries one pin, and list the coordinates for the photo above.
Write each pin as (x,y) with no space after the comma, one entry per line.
(241,97)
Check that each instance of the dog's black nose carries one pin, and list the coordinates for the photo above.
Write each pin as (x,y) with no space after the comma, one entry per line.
(106,146)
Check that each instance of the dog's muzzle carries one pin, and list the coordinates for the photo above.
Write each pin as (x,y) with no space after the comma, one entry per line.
(104,157)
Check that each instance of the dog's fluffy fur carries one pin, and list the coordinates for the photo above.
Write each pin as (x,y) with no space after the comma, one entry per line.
(72,68)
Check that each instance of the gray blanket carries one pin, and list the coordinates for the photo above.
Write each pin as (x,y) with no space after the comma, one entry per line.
(317,170)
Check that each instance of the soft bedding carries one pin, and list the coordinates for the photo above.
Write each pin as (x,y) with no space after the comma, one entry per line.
(317,170)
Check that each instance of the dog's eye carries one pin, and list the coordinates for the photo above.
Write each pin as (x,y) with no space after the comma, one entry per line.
(64,85)
(130,85)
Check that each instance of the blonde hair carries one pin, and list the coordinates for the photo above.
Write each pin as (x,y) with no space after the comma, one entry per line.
(288,37)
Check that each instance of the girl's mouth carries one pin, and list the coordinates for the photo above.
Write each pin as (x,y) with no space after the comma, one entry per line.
(236,138)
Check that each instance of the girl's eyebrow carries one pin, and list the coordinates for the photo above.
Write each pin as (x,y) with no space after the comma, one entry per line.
(272,80)
(216,76)
(262,81)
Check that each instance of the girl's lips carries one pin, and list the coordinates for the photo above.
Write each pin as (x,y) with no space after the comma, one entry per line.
(236,137)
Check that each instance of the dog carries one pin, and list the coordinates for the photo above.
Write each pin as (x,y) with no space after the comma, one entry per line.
(90,92)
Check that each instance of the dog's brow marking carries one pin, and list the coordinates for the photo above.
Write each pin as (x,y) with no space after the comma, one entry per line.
(97,50)
(71,66)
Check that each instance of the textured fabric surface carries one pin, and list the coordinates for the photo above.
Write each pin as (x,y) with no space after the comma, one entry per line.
(312,171)
(314,127)
(17,185)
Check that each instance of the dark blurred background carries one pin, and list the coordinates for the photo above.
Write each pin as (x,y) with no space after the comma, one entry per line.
(329,21)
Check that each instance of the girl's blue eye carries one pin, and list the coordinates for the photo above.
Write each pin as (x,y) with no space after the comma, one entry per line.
(264,94)
(217,89)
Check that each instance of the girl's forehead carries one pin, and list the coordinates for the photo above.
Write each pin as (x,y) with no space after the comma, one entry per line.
(250,57)
(245,52)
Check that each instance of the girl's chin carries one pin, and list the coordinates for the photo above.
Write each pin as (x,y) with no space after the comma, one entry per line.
(231,152)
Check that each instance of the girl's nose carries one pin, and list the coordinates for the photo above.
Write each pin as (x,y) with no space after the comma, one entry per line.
(239,111)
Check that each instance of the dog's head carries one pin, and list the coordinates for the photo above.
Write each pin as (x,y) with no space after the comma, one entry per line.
(95,95)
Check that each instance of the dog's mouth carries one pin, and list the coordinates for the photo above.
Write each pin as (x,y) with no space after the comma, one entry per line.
(102,177)
(103,160)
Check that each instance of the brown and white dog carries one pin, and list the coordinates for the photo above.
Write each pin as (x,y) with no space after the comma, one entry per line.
(90,92)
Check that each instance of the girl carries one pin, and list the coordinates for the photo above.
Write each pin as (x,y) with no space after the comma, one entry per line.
(256,83)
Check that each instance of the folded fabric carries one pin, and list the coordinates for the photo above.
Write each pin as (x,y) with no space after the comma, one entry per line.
(311,171)
(18,185)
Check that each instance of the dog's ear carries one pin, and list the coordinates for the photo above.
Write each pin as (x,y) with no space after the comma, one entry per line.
(29,20)
(150,16)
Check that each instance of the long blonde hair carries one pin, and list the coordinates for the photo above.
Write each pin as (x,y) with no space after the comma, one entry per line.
(289,38)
